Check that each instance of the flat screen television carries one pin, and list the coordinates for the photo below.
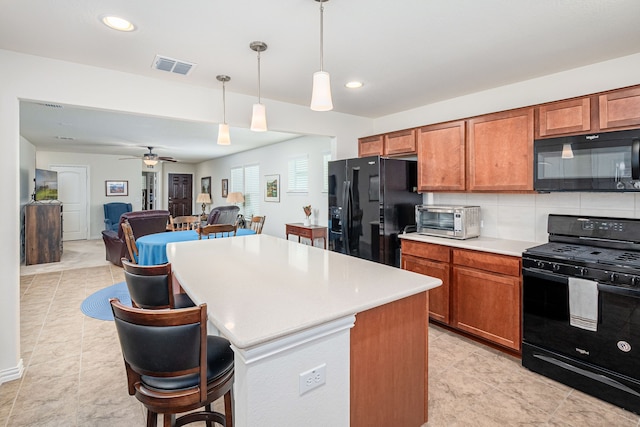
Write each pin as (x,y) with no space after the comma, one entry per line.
(46,185)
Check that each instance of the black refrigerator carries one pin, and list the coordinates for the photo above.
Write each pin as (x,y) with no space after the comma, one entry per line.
(371,200)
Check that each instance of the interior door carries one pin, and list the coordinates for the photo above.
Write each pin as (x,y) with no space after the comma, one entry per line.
(72,192)
(180,194)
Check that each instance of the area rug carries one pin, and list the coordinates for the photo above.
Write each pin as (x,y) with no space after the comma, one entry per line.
(97,304)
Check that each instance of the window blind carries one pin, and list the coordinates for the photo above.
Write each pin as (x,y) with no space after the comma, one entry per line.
(298,181)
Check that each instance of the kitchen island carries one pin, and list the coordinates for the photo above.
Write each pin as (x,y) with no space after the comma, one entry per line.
(320,338)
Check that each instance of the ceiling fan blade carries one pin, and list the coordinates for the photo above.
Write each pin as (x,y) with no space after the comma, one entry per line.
(167,159)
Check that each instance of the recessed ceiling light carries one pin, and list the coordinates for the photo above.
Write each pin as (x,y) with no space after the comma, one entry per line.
(117,23)
(354,85)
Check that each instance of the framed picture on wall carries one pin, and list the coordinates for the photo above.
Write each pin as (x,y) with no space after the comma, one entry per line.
(116,188)
(272,188)
(205,185)
(225,187)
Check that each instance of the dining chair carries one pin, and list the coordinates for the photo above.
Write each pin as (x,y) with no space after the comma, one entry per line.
(217,230)
(173,366)
(186,222)
(257,222)
(151,286)
(131,241)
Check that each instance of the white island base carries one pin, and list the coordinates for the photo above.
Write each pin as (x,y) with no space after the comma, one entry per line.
(289,308)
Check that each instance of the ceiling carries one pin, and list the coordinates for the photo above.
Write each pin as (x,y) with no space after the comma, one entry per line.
(407,54)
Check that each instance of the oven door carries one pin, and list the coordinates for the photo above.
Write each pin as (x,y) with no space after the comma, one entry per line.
(616,343)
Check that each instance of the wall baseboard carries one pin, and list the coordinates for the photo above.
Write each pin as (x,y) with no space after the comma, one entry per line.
(11,374)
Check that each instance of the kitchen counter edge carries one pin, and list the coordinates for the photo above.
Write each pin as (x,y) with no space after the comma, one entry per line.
(483,244)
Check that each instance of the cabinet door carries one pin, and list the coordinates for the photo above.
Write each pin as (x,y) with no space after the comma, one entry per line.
(441,157)
(438,297)
(487,305)
(402,142)
(620,109)
(500,151)
(371,146)
(564,117)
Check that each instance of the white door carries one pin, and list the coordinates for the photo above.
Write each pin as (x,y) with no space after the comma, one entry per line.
(72,192)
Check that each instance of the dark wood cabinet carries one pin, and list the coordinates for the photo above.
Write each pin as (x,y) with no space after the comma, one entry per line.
(500,151)
(371,146)
(619,109)
(480,292)
(43,233)
(441,157)
(564,117)
(400,143)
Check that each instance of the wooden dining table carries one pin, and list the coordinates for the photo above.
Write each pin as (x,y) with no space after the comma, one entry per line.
(152,248)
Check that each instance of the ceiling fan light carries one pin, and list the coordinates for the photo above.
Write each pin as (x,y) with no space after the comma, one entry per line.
(150,162)
(259,118)
(223,134)
(321,93)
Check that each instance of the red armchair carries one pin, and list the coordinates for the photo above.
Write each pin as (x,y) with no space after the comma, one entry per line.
(142,223)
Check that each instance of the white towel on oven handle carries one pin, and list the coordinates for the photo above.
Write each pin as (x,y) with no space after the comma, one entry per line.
(583,304)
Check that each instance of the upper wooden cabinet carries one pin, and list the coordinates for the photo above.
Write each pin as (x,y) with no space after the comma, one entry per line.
(620,109)
(371,146)
(401,142)
(441,157)
(564,117)
(500,151)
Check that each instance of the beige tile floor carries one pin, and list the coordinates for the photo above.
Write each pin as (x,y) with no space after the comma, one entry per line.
(74,374)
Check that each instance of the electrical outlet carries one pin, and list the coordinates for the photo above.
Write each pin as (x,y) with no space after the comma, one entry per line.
(313,378)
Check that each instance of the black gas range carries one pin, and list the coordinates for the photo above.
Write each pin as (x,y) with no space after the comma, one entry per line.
(581,307)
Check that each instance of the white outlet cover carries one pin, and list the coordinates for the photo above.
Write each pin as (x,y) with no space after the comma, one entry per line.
(312,378)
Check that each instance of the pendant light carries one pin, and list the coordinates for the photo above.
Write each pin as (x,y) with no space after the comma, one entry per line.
(223,128)
(321,93)
(259,117)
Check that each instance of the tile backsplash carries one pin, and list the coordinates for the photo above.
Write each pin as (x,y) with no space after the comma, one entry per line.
(524,216)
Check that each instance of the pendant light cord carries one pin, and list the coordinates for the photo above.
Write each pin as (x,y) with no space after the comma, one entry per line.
(224,104)
(321,37)
(259,98)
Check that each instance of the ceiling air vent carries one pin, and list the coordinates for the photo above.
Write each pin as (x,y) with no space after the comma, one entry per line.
(171,65)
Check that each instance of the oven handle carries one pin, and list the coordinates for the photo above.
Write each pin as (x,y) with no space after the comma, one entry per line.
(634,293)
(539,274)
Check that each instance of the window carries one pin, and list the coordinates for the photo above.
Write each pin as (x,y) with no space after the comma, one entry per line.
(247,181)
(298,181)
(326,157)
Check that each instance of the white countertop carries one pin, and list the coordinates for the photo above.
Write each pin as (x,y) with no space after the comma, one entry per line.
(259,288)
(484,244)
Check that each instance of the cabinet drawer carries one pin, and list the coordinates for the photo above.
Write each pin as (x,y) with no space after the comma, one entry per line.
(502,264)
(426,250)
(299,231)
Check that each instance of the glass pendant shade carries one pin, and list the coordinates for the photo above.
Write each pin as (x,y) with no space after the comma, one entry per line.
(567,152)
(321,93)
(223,134)
(259,118)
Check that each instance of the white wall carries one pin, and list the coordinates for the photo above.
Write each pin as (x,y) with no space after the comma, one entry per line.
(273,159)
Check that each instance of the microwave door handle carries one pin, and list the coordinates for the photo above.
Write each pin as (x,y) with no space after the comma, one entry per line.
(635,158)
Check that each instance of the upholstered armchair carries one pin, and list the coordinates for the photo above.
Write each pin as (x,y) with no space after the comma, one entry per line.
(142,223)
(112,212)
(223,215)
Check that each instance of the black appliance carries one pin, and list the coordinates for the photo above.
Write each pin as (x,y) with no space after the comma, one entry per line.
(581,307)
(595,162)
(371,201)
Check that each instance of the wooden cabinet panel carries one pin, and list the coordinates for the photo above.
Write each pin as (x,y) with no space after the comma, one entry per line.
(441,157)
(371,146)
(383,390)
(438,297)
(496,263)
(500,151)
(487,305)
(401,142)
(43,233)
(564,117)
(620,109)
(426,250)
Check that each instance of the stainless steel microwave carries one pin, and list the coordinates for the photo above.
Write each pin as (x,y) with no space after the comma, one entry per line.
(595,162)
(456,222)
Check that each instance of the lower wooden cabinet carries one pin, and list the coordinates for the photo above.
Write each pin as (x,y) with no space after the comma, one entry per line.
(43,233)
(480,292)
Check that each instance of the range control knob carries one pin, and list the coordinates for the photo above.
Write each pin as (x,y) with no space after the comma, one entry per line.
(636,184)
(540,264)
(556,267)
(613,277)
(582,271)
(635,281)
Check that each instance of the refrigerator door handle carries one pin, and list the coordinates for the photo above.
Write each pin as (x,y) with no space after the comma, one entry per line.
(346,216)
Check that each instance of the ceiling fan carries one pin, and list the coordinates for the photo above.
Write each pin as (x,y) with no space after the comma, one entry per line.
(152,158)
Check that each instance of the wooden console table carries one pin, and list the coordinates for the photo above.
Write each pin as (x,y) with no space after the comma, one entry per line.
(308,232)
